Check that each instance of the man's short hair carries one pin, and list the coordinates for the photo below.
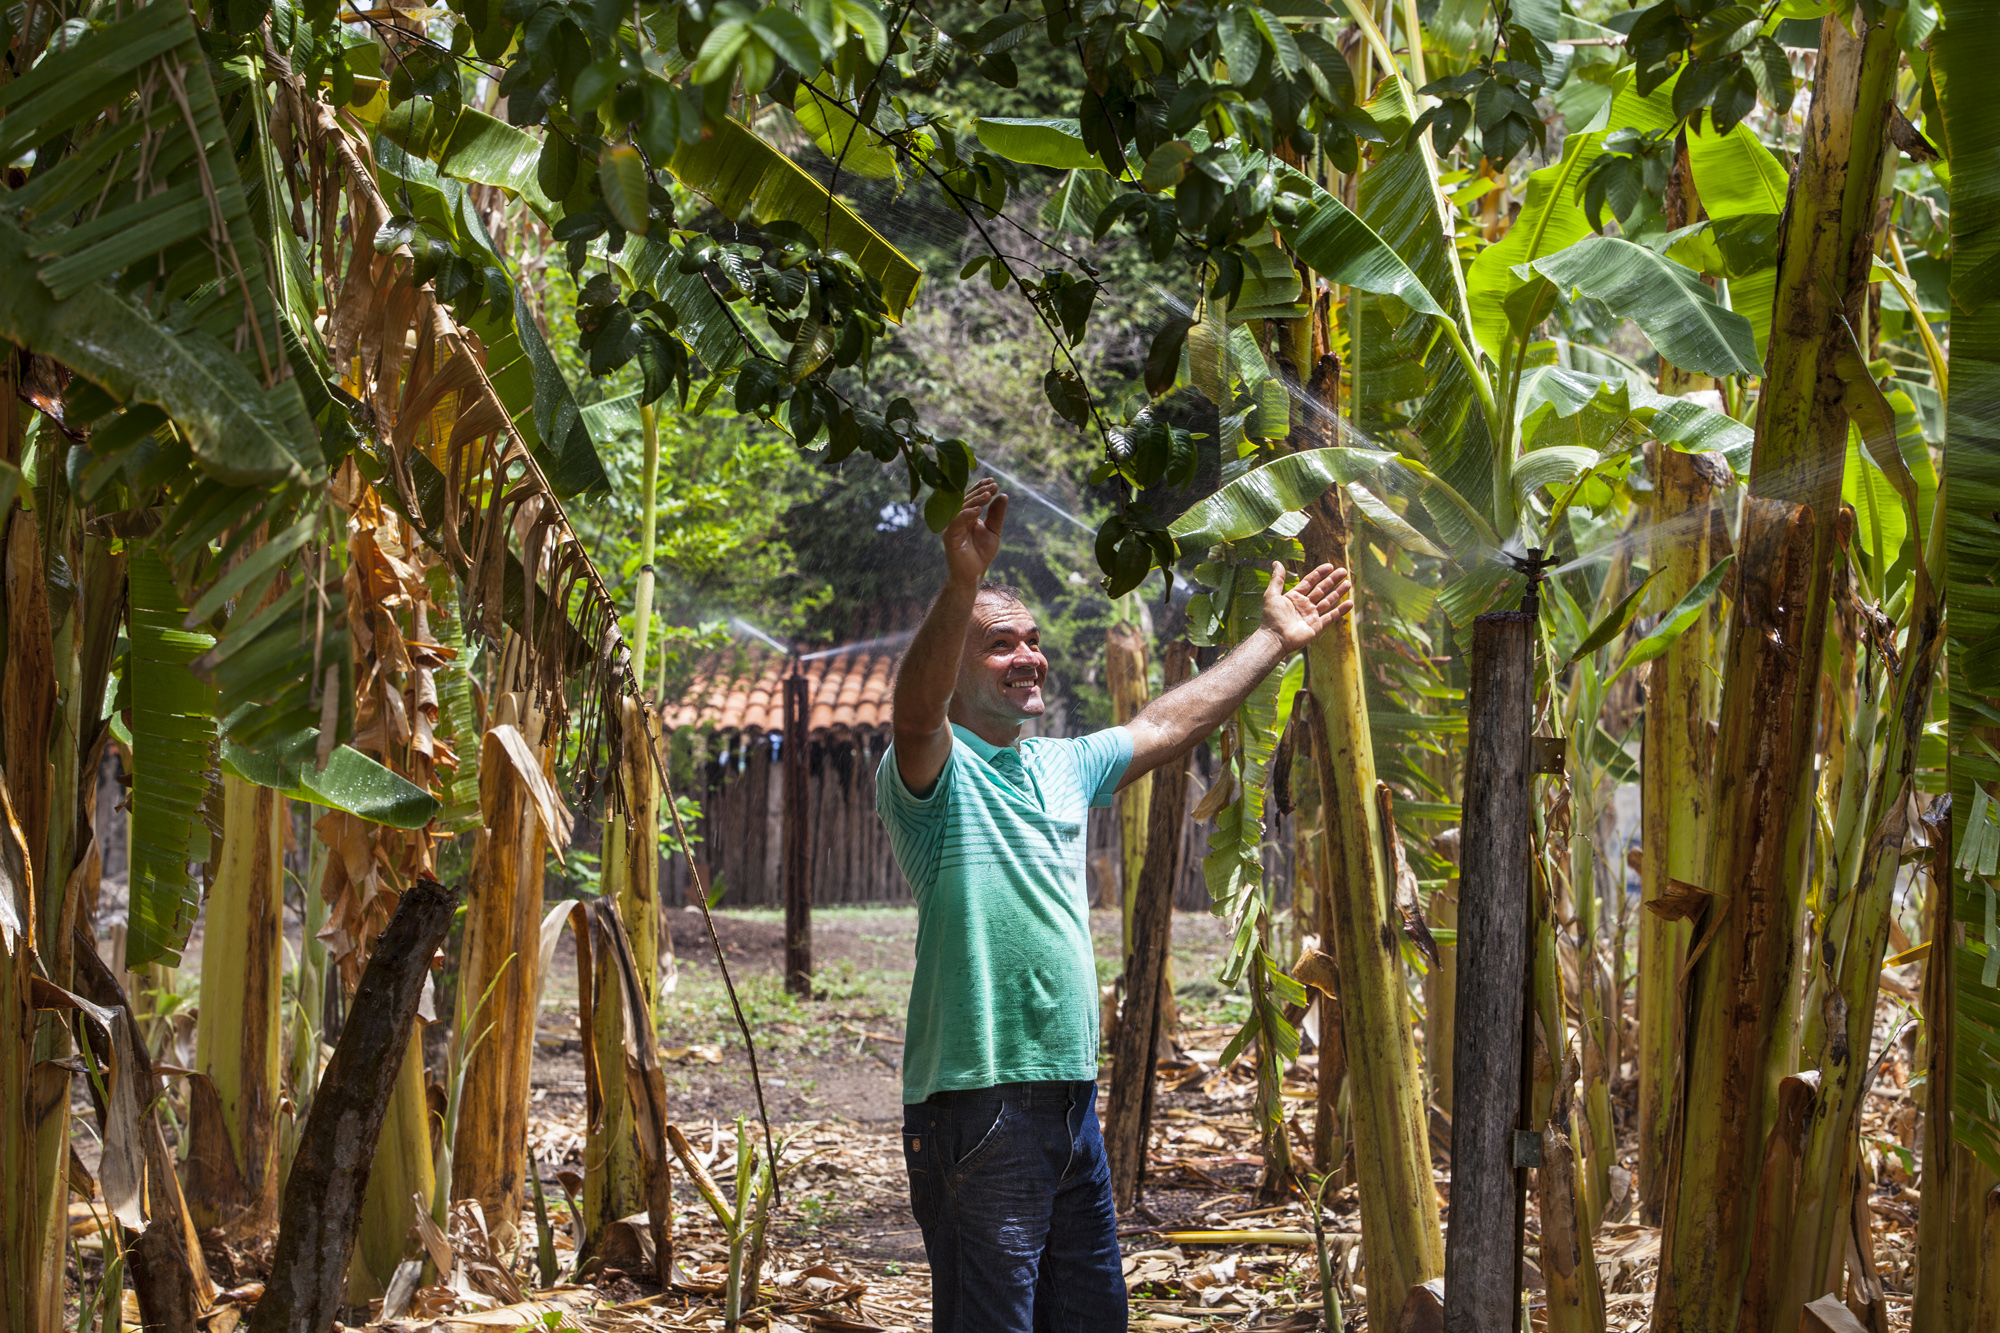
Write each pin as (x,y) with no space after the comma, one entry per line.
(1003,591)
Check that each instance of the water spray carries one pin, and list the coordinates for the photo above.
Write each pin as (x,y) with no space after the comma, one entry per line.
(742,626)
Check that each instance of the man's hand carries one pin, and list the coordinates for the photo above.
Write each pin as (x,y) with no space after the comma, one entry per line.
(1298,616)
(972,539)
(1174,723)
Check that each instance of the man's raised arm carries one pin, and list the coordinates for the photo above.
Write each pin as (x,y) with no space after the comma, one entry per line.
(1177,721)
(929,672)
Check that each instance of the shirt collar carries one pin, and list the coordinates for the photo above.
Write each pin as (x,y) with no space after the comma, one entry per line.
(985,749)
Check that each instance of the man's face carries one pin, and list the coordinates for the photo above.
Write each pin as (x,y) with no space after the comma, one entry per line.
(1000,676)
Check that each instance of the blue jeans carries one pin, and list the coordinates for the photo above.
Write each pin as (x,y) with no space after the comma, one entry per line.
(1013,1192)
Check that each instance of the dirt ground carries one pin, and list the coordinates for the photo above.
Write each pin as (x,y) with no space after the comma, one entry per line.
(830,1066)
(1201,1251)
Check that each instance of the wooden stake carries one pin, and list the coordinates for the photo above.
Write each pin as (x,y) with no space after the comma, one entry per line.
(322,1208)
(1484,1247)
(798,837)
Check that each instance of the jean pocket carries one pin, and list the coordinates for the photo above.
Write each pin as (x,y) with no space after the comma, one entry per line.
(984,1148)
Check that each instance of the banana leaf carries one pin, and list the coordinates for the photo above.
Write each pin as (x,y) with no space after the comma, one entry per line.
(488,150)
(1677,619)
(1550,220)
(75,236)
(1971,124)
(1735,175)
(1666,300)
(1251,503)
(1344,250)
(350,781)
(173,755)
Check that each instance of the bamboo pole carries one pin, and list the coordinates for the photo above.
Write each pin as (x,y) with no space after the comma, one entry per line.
(1399,1210)
(1673,804)
(238,1027)
(1742,987)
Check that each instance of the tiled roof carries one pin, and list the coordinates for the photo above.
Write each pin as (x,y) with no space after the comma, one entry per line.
(742,689)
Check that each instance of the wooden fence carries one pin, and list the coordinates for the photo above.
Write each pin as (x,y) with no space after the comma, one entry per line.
(742,832)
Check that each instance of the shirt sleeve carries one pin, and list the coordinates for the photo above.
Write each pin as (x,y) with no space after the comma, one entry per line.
(915,823)
(1101,760)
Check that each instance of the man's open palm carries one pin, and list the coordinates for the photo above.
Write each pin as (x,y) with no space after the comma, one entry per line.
(972,539)
(1316,601)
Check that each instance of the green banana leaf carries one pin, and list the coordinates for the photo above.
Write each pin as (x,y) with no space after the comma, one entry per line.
(1343,249)
(489,151)
(173,754)
(1675,622)
(1556,465)
(240,432)
(1550,220)
(840,136)
(1735,175)
(1667,300)
(1252,502)
(61,296)
(350,781)
(1075,205)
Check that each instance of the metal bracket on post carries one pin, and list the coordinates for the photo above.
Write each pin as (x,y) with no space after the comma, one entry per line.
(1551,754)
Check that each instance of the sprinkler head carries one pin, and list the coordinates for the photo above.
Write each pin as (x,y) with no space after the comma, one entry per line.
(1536,568)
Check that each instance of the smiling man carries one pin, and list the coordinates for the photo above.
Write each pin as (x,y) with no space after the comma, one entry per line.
(1008,1178)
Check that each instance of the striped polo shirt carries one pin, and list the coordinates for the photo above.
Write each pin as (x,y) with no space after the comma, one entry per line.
(1005,989)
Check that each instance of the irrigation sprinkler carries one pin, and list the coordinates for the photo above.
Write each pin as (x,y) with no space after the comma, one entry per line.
(1492,1051)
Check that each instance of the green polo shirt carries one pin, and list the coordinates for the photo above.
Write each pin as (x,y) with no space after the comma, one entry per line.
(1005,989)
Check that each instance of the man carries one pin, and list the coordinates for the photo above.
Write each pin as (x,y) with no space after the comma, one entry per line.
(1008,1177)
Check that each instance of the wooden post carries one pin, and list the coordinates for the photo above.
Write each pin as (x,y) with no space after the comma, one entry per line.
(1135,1048)
(798,837)
(1482,1254)
(322,1202)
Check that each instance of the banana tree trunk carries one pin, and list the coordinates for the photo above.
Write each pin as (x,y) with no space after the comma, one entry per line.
(1763,799)
(1858,929)
(1673,796)
(232,1172)
(615,1173)
(23,1216)
(500,955)
(1128,1114)
(1125,681)
(30,706)
(1399,1208)
(1575,1297)
(1441,987)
